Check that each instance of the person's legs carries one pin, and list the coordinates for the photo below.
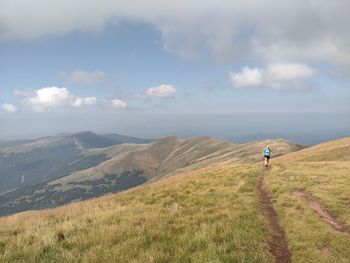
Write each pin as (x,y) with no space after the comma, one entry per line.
(266,162)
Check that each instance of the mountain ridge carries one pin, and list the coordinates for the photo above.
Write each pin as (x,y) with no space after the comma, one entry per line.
(56,170)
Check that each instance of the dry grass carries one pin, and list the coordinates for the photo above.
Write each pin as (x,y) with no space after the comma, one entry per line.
(211,215)
(208,215)
(323,172)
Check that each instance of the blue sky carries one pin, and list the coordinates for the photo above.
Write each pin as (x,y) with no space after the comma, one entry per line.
(145,69)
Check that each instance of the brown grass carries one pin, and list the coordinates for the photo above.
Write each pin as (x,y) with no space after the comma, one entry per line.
(211,215)
(322,172)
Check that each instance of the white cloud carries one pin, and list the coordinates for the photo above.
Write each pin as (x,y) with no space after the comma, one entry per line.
(163,91)
(117,103)
(51,97)
(9,108)
(78,102)
(47,98)
(281,76)
(85,78)
(289,71)
(248,77)
(273,30)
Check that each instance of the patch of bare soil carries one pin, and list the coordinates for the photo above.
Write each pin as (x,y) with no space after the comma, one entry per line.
(323,213)
(278,243)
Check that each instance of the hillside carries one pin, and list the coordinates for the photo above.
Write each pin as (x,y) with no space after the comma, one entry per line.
(212,214)
(170,155)
(56,170)
(199,216)
(311,189)
(49,158)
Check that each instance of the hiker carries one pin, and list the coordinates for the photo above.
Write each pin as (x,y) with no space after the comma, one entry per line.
(267,155)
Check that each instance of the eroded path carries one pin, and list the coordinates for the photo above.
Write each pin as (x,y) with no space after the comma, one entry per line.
(278,243)
(324,214)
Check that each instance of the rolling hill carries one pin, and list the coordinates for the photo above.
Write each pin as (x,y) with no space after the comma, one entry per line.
(48,158)
(210,214)
(57,170)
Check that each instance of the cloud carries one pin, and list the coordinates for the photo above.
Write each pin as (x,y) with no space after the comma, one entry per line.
(47,98)
(117,103)
(9,108)
(289,71)
(278,76)
(51,97)
(289,30)
(163,91)
(248,77)
(79,102)
(84,78)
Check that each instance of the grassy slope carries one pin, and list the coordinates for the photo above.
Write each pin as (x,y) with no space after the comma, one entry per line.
(210,215)
(323,172)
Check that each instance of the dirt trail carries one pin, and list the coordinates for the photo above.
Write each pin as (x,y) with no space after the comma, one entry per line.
(277,243)
(323,213)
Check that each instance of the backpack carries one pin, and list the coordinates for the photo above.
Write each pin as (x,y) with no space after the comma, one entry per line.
(267,152)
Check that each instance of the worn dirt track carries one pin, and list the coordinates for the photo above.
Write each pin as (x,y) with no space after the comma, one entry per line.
(323,213)
(278,243)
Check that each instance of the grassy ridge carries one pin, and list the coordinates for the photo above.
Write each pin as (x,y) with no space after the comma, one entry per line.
(207,215)
(210,215)
(326,180)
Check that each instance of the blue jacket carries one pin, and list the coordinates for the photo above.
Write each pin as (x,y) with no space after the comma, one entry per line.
(267,151)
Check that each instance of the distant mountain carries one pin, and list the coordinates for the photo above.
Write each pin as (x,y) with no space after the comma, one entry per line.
(49,158)
(92,140)
(4,144)
(56,170)
(120,139)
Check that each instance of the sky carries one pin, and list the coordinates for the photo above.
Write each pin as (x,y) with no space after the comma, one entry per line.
(228,68)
